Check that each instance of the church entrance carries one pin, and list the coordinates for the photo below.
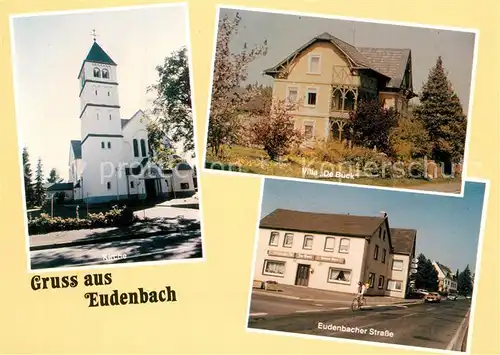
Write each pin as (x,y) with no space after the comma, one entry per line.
(151,188)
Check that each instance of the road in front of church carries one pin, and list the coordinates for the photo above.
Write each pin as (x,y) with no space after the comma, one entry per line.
(185,243)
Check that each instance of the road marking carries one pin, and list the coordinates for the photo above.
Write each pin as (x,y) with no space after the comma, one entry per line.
(308,310)
(257,314)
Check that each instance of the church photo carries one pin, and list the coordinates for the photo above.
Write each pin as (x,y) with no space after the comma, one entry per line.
(106,136)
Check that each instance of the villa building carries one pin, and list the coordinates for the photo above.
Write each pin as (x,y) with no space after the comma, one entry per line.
(446,278)
(327,77)
(335,252)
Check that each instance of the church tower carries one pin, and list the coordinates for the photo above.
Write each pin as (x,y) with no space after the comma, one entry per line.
(101,131)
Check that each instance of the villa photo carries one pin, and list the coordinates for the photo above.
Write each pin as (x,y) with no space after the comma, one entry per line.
(413,257)
(108,169)
(340,100)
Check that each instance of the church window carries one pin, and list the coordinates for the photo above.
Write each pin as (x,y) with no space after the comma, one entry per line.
(110,116)
(102,145)
(105,73)
(108,185)
(109,94)
(109,145)
(97,72)
(143,147)
(98,116)
(136,148)
(132,184)
(96,93)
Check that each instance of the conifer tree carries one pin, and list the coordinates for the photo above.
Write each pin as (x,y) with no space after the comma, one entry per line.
(465,282)
(29,193)
(426,276)
(39,189)
(442,115)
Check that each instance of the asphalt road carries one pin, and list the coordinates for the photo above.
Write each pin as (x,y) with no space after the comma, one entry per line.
(422,325)
(271,305)
(154,248)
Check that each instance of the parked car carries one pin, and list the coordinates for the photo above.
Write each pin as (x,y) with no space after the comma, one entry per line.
(432,297)
(452,297)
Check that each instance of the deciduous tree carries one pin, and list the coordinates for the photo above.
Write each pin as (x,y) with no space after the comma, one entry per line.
(409,139)
(172,106)
(54,177)
(230,74)
(275,130)
(371,124)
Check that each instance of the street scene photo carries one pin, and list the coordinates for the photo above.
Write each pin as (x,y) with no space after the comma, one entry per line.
(367,264)
(106,137)
(340,100)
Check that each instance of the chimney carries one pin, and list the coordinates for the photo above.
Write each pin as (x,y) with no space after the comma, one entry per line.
(383,214)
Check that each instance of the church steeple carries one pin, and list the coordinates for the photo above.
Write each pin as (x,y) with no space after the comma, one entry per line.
(98,55)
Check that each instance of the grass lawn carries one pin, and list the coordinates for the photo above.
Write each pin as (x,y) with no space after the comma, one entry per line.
(256,161)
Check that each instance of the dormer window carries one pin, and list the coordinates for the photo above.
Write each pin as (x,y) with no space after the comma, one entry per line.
(105,74)
(97,72)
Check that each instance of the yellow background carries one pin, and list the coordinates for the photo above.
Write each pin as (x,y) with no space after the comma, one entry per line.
(210,315)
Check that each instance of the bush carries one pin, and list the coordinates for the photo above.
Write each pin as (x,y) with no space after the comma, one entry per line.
(116,217)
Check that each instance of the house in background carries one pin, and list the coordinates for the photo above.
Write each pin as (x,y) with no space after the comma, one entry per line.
(113,160)
(404,245)
(446,278)
(327,77)
(55,190)
(334,252)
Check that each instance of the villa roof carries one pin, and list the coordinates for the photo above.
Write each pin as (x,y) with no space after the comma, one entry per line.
(387,62)
(403,240)
(390,61)
(324,223)
(77,149)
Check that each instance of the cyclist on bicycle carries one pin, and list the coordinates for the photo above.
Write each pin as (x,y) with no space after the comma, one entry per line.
(361,291)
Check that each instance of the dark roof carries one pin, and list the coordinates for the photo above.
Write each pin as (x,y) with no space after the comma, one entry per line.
(77,149)
(388,62)
(403,240)
(445,269)
(324,223)
(183,166)
(98,55)
(61,186)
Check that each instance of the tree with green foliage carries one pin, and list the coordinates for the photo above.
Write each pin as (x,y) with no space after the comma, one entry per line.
(442,114)
(228,93)
(426,276)
(275,130)
(39,188)
(29,192)
(172,106)
(371,125)
(465,283)
(54,177)
(163,152)
(409,139)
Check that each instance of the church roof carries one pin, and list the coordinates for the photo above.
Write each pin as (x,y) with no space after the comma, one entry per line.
(98,55)
(77,149)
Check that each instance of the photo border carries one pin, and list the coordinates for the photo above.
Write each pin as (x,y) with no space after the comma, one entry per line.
(181,4)
(472,309)
(353,19)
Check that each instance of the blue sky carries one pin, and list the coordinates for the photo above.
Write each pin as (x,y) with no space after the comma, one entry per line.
(447,227)
(47,60)
(285,33)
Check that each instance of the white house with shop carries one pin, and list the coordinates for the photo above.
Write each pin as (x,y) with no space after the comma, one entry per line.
(447,282)
(113,160)
(334,252)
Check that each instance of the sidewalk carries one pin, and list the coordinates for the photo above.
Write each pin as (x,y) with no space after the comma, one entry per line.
(325,296)
(189,202)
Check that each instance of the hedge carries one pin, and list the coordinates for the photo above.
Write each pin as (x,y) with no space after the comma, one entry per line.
(116,217)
